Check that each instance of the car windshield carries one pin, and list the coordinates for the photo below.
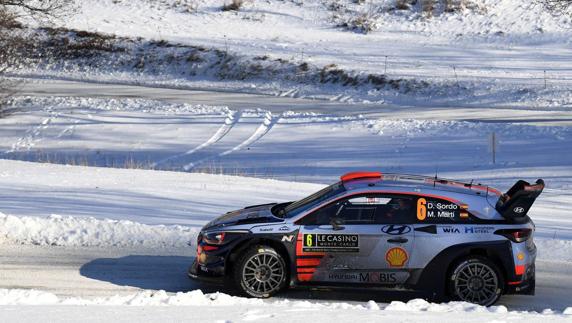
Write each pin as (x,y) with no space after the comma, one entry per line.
(307,203)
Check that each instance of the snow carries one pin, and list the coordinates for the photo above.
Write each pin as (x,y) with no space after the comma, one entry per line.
(219,302)
(56,230)
(500,53)
(156,140)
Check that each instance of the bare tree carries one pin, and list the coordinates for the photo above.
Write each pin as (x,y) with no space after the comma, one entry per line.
(557,7)
(10,11)
(39,9)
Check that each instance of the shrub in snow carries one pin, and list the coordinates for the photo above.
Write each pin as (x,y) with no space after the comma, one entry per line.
(403,4)
(363,23)
(234,5)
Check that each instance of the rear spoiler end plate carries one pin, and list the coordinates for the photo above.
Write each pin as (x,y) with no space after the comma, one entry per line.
(516,202)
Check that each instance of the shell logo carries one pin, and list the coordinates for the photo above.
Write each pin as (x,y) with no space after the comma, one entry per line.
(396,257)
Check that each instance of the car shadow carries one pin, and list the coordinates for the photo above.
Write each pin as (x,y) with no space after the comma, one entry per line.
(169,273)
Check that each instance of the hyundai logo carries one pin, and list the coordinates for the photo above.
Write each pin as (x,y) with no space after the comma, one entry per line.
(518,209)
(396,229)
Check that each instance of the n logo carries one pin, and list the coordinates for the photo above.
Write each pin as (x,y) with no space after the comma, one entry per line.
(288,238)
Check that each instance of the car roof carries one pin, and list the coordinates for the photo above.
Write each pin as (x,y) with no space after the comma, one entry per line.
(414,183)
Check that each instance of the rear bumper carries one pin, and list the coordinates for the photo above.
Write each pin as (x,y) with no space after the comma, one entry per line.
(525,287)
(195,272)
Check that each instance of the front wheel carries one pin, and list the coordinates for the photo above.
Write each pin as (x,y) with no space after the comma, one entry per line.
(476,280)
(261,272)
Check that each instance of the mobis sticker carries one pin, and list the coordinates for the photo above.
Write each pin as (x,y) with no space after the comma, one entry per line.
(330,243)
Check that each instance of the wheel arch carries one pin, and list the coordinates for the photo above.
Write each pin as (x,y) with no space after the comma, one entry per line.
(241,247)
(434,278)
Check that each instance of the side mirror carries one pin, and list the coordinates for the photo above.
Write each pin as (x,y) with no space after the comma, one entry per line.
(337,224)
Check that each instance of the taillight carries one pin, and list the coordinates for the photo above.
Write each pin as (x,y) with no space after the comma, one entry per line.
(515,235)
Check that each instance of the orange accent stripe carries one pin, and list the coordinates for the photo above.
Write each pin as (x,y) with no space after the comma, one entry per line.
(304,277)
(515,283)
(308,262)
(519,269)
(306,270)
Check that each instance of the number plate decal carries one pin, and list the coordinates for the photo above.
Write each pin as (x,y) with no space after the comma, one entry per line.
(318,242)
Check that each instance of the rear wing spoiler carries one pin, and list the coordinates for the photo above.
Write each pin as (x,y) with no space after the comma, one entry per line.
(517,201)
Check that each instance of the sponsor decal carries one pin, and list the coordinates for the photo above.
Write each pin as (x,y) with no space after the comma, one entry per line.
(383,278)
(520,256)
(284,228)
(266,229)
(288,238)
(467,229)
(396,257)
(450,229)
(330,242)
(438,209)
(396,229)
(518,210)
(479,230)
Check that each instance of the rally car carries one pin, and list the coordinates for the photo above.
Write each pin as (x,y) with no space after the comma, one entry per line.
(446,239)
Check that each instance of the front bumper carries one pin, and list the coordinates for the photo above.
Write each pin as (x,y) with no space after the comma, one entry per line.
(197,273)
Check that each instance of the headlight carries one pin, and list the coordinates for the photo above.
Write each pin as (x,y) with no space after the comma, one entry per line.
(214,238)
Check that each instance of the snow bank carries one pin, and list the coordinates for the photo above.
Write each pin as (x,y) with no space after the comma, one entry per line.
(554,249)
(198,298)
(113,104)
(419,305)
(69,231)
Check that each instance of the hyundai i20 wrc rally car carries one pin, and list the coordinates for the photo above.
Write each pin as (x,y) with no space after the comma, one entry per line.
(446,239)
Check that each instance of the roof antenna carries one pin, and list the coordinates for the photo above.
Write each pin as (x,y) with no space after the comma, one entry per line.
(435,181)
(471,183)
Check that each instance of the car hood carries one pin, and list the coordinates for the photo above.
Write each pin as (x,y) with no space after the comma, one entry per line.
(250,214)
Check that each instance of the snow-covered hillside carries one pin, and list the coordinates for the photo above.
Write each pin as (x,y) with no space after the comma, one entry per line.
(497,53)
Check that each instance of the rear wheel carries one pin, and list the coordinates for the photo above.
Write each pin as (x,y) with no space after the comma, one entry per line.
(476,280)
(260,272)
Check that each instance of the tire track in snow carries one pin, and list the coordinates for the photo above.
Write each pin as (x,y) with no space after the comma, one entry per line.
(231,119)
(33,135)
(267,124)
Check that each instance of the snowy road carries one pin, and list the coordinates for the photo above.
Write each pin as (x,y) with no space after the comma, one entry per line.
(90,272)
(277,104)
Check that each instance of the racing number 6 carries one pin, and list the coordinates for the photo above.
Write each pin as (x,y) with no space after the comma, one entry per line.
(421,209)
(308,240)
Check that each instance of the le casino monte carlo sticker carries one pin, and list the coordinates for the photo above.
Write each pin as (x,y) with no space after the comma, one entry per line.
(318,242)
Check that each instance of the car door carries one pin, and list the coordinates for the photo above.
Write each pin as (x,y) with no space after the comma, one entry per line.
(362,238)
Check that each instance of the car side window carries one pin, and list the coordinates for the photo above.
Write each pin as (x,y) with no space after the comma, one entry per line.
(365,209)
(440,211)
